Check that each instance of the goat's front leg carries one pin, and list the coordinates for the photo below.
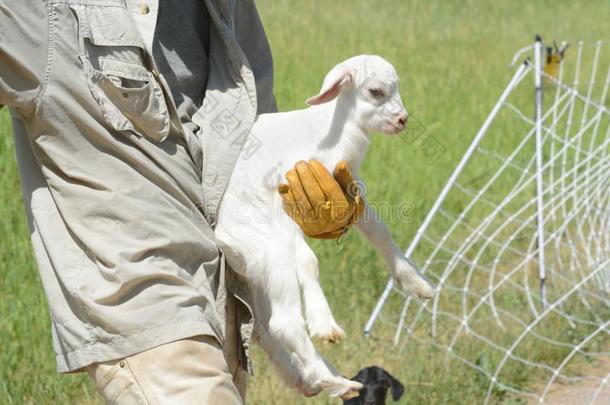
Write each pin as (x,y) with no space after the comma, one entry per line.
(320,320)
(404,272)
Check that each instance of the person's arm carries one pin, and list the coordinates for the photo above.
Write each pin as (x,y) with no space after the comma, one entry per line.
(251,37)
(23,52)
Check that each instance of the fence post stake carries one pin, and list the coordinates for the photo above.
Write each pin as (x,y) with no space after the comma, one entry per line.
(539,164)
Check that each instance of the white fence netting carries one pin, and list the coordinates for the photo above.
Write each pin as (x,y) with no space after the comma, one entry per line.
(496,310)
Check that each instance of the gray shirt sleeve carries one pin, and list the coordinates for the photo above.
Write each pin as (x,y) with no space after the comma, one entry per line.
(23,53)
(251,38)
(180,50)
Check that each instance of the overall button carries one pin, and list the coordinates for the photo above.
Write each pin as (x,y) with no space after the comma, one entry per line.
(144,9)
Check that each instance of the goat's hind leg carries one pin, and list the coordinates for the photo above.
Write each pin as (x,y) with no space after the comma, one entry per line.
(278,297)
(320,320)
(249,266)
(289,369)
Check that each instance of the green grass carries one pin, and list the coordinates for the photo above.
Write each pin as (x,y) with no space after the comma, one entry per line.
(452,57)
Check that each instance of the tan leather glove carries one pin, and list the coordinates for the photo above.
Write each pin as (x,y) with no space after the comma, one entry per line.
(324,207)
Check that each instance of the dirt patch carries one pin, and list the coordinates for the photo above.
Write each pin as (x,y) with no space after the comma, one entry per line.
(582,392)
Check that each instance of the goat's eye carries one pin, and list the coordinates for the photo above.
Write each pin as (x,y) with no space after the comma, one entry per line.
(376,92)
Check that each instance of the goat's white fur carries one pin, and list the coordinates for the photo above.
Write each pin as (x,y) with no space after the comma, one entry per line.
(263,245)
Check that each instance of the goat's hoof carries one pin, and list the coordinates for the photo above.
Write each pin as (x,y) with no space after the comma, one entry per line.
(417,286)
(342,388)
(352,393)
(425,291)
(335,336)
(326,330)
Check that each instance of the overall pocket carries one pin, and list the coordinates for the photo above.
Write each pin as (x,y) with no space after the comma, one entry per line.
(112,54)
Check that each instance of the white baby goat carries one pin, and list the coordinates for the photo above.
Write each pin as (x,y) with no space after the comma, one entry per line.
(262,244)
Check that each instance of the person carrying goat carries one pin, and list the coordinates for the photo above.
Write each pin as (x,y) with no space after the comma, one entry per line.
(128,120)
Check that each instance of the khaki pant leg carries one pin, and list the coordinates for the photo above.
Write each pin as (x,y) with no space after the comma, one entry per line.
(185,372)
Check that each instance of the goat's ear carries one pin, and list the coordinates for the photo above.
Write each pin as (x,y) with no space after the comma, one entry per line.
(338,77)
(397,388)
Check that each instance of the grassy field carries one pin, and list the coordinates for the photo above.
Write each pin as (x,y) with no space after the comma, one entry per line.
(452,57)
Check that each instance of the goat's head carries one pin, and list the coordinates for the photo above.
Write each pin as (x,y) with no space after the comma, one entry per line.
(370,84)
